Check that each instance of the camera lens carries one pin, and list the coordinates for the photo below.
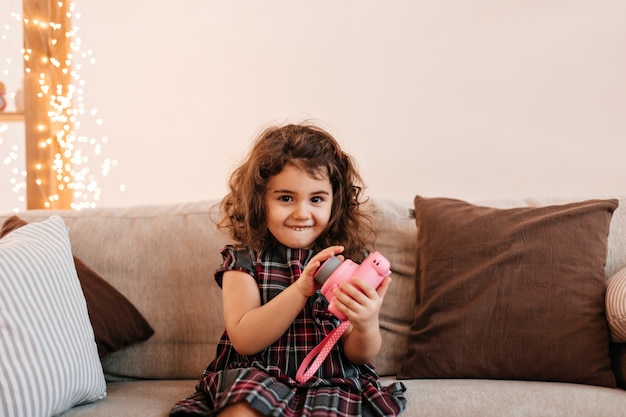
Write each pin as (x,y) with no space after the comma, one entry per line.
(327,269)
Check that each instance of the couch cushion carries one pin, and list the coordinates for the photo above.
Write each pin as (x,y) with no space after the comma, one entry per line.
(48,356)
(137,398)
(498,398)
(115,320)
(511,293)
(616,306)
(442,397)
(396,240)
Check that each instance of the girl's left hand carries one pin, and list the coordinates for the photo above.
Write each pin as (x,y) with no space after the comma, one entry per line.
(360,302)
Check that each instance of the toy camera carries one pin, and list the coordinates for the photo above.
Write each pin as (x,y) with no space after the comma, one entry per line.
(333,272)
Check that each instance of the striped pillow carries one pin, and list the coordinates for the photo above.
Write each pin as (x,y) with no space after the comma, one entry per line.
(48,356)
(616,306)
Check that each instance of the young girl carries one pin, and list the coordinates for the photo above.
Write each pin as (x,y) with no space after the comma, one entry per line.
(290,203)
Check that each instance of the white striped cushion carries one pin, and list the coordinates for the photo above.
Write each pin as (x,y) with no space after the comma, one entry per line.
(616,306)
(48,355)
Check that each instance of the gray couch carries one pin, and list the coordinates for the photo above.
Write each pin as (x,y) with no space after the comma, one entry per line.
(162,258)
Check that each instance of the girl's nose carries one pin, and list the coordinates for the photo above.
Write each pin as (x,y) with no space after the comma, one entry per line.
(301,213)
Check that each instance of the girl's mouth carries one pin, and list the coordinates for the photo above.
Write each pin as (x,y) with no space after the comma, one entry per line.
(299,228)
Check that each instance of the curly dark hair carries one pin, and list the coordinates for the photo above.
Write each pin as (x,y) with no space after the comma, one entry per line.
(317,153)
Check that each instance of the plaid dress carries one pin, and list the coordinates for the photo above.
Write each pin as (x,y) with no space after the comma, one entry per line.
(266,380)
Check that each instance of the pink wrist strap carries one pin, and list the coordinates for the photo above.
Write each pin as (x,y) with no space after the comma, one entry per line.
(321,351)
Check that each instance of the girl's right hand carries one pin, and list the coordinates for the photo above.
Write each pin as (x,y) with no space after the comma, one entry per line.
(306,284)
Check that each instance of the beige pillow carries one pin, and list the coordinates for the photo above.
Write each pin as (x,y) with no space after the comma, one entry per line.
(616,306)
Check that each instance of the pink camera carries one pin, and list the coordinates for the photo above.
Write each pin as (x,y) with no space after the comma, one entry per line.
(333,272)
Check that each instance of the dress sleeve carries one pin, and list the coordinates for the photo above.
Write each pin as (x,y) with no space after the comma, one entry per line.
(234,260)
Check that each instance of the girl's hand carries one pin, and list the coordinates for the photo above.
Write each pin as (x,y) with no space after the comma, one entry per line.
(361,303)
(306,284)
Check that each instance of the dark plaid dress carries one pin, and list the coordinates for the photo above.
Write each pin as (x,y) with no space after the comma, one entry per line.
(267,380)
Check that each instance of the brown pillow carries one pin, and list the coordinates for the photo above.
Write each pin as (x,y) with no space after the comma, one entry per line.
(511,293)
(115,320)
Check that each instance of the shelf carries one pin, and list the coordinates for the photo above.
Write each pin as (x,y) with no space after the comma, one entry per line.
(11,116)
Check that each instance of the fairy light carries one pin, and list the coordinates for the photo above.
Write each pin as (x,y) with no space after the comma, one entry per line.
(72,154)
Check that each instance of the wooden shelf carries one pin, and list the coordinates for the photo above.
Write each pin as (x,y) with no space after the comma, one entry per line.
(11,116)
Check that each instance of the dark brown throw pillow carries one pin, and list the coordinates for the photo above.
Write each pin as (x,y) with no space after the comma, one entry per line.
(115,320)
(511,293)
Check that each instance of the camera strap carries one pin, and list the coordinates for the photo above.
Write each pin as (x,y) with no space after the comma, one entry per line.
(319,353)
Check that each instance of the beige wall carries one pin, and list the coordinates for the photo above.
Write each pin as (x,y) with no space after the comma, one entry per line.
(474,99)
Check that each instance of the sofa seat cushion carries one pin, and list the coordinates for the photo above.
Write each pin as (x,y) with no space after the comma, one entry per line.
(497,398)
(426,397)
(146,398)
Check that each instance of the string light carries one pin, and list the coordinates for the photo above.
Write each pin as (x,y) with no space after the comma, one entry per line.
(72,154)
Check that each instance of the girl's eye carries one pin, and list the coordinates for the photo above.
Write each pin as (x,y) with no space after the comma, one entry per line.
(285,198)
(317,200)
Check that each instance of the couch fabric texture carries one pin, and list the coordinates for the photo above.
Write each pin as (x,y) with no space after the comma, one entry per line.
(495,309)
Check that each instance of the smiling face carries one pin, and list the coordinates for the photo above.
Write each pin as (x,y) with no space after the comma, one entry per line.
(298,207)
